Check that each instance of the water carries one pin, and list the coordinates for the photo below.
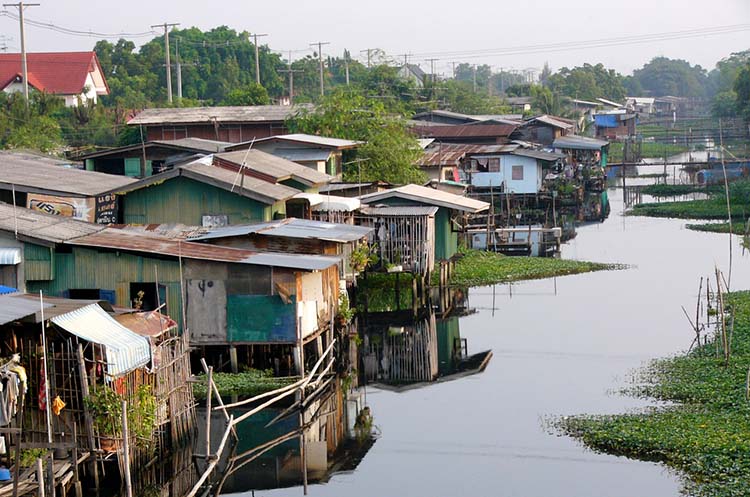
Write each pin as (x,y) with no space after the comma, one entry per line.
(561,346)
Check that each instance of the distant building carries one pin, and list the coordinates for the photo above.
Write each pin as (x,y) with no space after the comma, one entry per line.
(73,76)
(544,129)
(640,105)
(508,168)
(414,73)
(615,124)
(519,104)
(228,124)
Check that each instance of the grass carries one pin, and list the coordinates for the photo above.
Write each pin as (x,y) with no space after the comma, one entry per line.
(380,289)
(714,207)
(706,434)
(478,268)
(246,383)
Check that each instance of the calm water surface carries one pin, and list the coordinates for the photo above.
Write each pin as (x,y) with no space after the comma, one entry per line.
(561,346)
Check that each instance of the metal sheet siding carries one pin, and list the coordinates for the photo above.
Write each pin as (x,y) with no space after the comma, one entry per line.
(38,264)
(272,320)
(125,350)
(182,200)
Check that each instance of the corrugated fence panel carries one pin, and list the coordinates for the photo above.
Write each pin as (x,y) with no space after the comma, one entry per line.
(260,319)
(37,262)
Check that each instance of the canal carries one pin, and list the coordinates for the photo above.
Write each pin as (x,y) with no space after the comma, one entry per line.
(561,346)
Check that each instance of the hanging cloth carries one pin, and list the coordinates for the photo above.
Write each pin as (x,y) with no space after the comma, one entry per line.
(57,405)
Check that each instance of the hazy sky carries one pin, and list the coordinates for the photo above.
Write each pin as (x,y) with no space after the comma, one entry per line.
(425,29)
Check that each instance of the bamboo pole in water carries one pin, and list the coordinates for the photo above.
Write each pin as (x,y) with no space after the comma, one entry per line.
(126,449)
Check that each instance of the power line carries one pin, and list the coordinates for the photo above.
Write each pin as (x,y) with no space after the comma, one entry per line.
(320,62)
(166,27)
(24,65)
(76,32)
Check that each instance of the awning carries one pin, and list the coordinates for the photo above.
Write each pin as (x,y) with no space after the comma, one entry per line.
(125,351)
(328,203)
(10,256)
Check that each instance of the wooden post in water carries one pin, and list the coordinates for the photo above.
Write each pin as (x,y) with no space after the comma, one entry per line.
(126,449)
(40,476)
(209,382)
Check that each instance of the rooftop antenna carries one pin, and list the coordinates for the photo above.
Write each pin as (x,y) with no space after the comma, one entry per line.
(242,166)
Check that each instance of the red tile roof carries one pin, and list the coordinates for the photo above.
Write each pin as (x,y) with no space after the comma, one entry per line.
(62,73)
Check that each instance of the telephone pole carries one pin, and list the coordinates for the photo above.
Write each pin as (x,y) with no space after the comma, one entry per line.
(24,65)
(291,72)
(257,57)
(369,55)
(474,76)
(432,69)
(320,62)
(346,65)
(166,27)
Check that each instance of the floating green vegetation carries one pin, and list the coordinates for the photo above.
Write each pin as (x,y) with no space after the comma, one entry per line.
(650,150)
(714,207)
(662,190)
(707,434)
(246,383)
(478,268)
(738,228)
(380,291)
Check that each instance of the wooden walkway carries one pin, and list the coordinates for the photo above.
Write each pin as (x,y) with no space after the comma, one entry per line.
(27,482)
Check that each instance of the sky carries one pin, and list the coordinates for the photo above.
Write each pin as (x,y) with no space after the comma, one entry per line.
(435,29)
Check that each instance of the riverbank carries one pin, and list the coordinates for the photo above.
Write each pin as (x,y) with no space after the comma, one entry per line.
(738,228)
(478,268)
(707,434)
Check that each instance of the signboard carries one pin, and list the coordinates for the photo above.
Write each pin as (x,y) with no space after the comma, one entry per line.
(102,209)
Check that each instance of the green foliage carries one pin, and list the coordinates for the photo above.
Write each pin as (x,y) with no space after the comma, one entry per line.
(346,312)
(389,151)
(29,456)
(737,228)
(363,256)
(380,291)
(663,76)
(250,94)
(105,406)
(707,434)
(588,82)
(714,207)
(662,190)
(478,268)
(247,383)
(742,92)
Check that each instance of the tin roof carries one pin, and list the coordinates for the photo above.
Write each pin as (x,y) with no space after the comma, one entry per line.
(464,130)
(399,210)
(556,122)
(575,142)
(173,231)
(294,228)
(146,324)
(210,115)
(29,172)
(302,154)
(10,256)
(137,242)
(124,349)
(329,203)
(45,227)
(271,167)
(304,139)
(446,154)
(250,187)
(182,144)
(13,308)
(430,196)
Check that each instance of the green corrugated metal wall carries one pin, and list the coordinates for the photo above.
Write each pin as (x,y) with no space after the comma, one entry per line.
(88,269)
(182,200)
(38,262)
(447,333)
(260,318)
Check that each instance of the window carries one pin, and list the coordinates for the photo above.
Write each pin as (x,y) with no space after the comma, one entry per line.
(143,296)
(517,173)
(494,165)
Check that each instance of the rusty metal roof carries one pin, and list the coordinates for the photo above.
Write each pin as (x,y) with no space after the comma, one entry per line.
(146,324)
(209,115)
(464,130)
(28,172)
(293,228)
(302,139)
(271,167)
(137,242)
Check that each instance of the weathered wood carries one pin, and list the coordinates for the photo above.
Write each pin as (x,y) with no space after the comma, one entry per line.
(126,449)
(88,419)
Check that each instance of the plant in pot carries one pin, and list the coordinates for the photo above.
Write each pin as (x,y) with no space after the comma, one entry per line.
(106,409)
(346,312)
(362,257)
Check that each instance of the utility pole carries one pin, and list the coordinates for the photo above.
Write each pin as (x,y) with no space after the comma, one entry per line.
(346,65)
(432,69)
(257,57)
(24,65)
(369,55)
(166,27)
(474,76)
(179,67)
(320,63)
(291,72)
(453,66)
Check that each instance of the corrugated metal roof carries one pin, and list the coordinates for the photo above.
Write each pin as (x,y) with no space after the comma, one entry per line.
(124,349)
(34,224)
(401,210)
(553,121)
(293,228)
(190,145)
(209,115)
(39,174)
(428,196)
(272,167)
(464,130)
(146,324)
(173,231)
(329,203)
(250,187)
(302,154)
(537,154)
(137,242)
(302,138)
(450,154)
(13,308)
(10,256)
(576,142)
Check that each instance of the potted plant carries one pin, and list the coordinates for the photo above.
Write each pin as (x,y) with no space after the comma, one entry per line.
(346,312)
(106,409)
(362,257)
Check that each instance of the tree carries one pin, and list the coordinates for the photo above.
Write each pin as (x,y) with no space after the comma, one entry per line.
(663,76)
(250,94)
(588,82)
(742,90)
(390,150)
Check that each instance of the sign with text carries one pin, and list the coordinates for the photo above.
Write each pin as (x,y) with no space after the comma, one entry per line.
(102,209)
